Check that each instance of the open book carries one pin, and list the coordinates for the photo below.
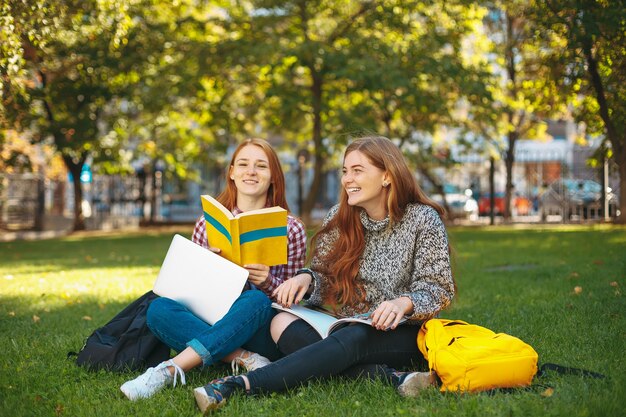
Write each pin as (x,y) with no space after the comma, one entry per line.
(322,320)
(252,237)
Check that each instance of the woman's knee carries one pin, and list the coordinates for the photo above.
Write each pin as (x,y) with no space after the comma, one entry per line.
(354,335)
(160,309)
(279,323)
(297,335)
(257,297)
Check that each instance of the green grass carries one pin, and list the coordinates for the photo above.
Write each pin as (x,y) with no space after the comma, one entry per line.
(521,281)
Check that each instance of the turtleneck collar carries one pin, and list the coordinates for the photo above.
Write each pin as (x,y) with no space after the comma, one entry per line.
(373,225)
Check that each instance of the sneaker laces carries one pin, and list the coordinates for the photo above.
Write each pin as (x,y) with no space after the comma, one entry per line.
(398,377)
(238,361)
(178,372)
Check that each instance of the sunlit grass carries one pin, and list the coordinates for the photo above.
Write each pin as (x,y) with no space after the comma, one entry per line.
(558,288)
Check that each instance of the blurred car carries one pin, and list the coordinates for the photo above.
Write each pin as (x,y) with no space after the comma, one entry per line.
(569,197)
(460,203)
(520,206)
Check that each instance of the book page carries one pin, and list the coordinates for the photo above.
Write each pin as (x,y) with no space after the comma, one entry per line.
(325,323)
(321,322)
(275,209)
(360,318)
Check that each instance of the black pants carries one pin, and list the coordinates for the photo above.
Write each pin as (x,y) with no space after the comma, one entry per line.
(353,351)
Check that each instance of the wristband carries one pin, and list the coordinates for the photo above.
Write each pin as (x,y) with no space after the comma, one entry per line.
(306,271)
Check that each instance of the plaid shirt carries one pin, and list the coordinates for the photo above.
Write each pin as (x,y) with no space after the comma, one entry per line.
(296,251)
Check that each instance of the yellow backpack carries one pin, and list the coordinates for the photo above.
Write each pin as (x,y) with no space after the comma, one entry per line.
(470,358)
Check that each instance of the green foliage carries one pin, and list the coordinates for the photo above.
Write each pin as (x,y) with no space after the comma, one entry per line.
(320,71)
(176,82)
(581,28)
(589,57)
(559,289)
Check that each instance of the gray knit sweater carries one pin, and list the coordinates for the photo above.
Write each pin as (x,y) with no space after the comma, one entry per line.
(409,259)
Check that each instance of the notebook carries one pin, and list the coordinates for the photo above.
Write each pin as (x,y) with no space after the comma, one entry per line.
(203,281)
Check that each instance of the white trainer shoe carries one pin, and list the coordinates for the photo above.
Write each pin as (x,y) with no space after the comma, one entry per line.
(415,382)
(249,364)
(152,381)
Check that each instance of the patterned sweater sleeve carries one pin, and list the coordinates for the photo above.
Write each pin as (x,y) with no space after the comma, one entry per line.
(323,244)
(432,286)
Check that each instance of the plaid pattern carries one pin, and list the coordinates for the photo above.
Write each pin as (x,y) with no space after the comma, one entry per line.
(296,251)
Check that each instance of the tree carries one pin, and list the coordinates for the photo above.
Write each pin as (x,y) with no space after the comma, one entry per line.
(298,48)
(67,57)
(589,61)
(167,114)
(416,68)
(328,69)
(524,96)
(79,69)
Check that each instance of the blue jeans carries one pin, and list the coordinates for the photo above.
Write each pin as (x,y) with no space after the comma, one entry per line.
(245,325)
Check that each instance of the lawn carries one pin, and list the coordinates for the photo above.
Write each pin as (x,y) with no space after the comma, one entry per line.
(561,289)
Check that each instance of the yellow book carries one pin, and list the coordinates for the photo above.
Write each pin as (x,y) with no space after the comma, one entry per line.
(252,237)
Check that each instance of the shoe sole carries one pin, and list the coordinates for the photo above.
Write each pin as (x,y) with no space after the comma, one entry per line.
(203,403)
(127,394)
(414,386)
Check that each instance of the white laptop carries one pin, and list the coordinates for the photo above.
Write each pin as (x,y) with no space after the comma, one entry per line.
(203,281)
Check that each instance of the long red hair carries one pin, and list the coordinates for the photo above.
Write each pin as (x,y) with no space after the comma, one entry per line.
(342,262)
(276,192)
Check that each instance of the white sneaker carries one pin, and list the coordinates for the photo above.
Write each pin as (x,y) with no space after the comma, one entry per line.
(414,382)
(152,381)
(249,364)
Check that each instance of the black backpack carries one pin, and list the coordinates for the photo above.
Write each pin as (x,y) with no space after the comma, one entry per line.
(125,342)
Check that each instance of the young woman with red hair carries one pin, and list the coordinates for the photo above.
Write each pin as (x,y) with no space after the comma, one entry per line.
(383,250)
(254,180)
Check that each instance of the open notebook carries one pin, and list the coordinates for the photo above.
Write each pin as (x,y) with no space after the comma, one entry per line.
(203,281)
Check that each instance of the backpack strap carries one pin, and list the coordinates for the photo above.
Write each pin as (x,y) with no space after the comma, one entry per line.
(566,370)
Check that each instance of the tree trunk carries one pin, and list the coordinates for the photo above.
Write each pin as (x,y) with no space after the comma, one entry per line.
(492,191)
(511,70)
(75,168)
(621,164)
(509,160)
(618,141)
(154,190)
(438,186)
(319,151)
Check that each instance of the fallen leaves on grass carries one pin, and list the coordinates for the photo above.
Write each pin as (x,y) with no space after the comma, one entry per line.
(11,313)
(87,318)
(578,289)
(548,392)
(615,285)
(598,262)
(36,319)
